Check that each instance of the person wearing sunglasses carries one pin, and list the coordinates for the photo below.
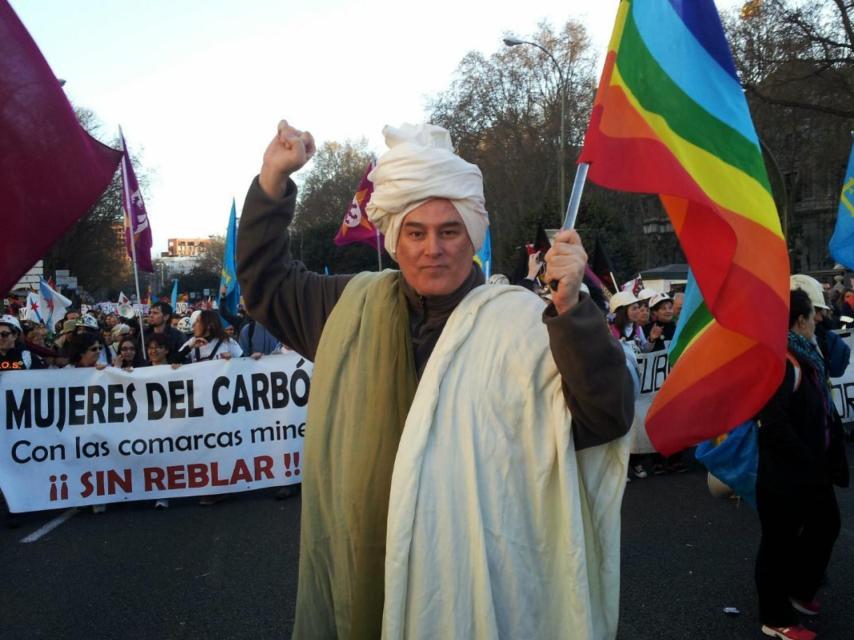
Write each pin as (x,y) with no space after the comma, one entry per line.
(14,357)
(85,351)
(127,356)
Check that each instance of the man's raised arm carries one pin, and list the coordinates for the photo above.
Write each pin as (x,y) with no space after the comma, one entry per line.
(280,293)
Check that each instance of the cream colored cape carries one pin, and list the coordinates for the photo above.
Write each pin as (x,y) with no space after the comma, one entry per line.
(497,527)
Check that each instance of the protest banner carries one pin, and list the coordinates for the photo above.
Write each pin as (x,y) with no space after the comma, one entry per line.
(75,437)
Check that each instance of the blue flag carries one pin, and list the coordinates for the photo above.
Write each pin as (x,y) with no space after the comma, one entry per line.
(484,256)
(174,294)
(229,290)
(842,242)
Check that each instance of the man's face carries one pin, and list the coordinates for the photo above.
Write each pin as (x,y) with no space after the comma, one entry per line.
(72,315)
(155,317)
(434,250)
(110,321)
(849,298)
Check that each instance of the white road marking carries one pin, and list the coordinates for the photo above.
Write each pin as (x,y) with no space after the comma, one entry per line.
(50,526)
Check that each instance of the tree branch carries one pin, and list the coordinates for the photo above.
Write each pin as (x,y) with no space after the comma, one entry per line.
(841,113)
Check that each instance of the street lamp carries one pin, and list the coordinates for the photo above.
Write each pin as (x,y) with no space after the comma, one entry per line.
(513,42)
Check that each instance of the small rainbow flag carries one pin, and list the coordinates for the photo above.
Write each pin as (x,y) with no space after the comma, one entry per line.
(670,118)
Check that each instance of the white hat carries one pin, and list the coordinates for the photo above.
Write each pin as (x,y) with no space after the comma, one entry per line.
(119,330)
(12,321)
(622,299)
(195,316)
(89,322)
(812,288)
(657,299)
(646,294)
(185,325)
(420,165)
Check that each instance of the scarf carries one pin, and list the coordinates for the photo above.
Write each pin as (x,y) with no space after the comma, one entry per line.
(361,390)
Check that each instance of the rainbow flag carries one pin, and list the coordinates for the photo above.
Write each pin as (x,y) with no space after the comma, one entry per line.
(670,118)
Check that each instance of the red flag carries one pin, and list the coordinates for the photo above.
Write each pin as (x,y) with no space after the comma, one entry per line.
(51,170)
(356,227)
(136,218)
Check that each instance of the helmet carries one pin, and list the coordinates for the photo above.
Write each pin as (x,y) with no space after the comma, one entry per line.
(12,321)
(622,299)
(811,287)
(185,325)
(657,299)
(119,330)
(89,322)
(646,294)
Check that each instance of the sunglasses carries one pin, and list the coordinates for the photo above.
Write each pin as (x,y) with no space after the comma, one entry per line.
(6,334)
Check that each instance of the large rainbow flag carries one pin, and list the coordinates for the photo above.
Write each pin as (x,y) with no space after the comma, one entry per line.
(670,118)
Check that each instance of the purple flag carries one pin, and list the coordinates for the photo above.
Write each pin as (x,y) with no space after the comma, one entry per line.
(136,219)
(51,170)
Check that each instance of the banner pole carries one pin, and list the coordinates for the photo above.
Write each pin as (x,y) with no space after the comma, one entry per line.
(129,216)
(379,251)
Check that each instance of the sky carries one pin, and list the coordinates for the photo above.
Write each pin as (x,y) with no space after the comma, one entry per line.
(199,86)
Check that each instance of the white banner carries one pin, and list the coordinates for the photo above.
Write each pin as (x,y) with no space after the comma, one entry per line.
(76,437)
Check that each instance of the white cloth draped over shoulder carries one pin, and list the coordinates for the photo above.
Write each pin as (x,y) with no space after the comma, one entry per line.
(497,527)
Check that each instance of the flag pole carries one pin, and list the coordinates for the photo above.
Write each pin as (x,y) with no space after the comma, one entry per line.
(573,204)
(575,197)
(379,251)
(129,215)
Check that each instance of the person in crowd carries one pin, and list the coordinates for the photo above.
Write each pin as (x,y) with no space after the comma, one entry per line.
(209,341)
(85,350)
(846,308)
(87,324)
(35,334)
(119,332)
(128,355)
(678,301)
(531,279)
(661,327)
(255,338)
(801,457)
(157,347)
(392,337)
(834,350)
(159,321)
(229,331)
(111,320)
(65,333)
(624,326)
(14,356)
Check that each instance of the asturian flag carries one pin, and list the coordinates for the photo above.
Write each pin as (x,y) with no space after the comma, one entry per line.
(123,299)
(484,256)
(136,218)
(229,289)
(842,242)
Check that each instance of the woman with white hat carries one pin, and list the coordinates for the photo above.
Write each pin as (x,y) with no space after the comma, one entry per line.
(12,356)
(624,327)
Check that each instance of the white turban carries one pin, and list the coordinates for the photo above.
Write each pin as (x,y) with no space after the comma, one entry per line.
(420,164)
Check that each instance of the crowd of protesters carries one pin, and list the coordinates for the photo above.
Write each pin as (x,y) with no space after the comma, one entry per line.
(100,340)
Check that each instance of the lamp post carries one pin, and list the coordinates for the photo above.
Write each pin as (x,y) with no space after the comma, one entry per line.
(513,42)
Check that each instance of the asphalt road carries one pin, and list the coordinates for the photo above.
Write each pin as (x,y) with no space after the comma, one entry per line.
(229,570)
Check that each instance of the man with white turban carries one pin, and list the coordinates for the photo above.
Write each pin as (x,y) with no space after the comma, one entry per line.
(464,459)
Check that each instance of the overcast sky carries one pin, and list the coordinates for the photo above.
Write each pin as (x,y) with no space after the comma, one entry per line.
(199,85)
